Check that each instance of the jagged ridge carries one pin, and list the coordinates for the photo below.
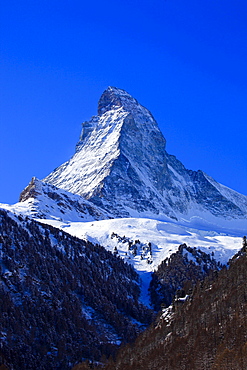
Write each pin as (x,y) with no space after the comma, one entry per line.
(42,200)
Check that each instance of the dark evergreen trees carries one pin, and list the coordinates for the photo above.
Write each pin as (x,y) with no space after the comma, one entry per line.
(62,299)
(208,331)
(179,273)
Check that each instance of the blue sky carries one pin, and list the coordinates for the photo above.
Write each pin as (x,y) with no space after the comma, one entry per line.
(186,61)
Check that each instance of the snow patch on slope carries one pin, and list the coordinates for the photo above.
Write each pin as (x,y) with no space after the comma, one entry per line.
(165,238)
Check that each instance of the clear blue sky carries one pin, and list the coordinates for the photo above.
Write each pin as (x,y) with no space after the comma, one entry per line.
(186,61)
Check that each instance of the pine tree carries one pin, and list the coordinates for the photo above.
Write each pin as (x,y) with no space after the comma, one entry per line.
(244,244)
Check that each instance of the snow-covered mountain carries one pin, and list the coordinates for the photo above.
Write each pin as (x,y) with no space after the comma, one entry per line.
(121,165)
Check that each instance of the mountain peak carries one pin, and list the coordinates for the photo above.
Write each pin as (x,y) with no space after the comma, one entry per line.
(113,98)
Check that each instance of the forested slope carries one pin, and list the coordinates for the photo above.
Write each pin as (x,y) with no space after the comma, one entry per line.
(206,331)
(62,299)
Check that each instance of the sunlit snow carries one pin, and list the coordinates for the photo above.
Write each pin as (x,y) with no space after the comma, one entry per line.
(165,238)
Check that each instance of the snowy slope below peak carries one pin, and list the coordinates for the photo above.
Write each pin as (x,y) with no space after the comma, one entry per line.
(236,198)
(165,238)
(84,173)
(41,200)
(145,243)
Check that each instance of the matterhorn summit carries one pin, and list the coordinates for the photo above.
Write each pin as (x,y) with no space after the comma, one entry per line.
(121,169)
(121,165)
(120,161)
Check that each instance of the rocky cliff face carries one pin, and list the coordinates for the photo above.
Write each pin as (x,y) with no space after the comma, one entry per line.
(122,166)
